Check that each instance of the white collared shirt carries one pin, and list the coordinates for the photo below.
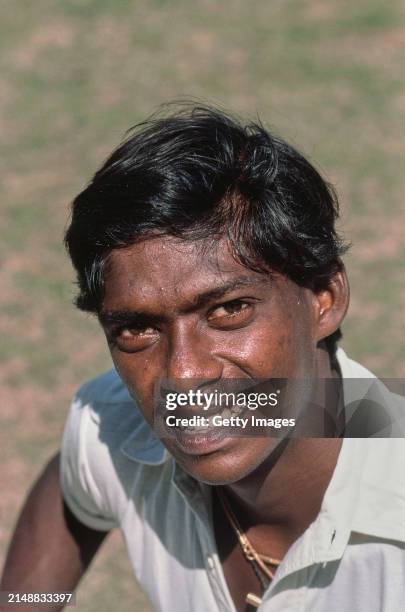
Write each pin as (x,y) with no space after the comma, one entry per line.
(115,472)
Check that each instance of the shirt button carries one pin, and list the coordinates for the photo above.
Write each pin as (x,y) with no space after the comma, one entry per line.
(210,562)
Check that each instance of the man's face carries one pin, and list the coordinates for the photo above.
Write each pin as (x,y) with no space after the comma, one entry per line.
(174,311)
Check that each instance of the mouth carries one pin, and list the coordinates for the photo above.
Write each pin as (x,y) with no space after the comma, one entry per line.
(199,444)
(202,434)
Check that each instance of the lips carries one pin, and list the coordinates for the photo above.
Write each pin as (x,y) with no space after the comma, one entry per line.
(185,412)
(200,443)
(202,438)
(193,426)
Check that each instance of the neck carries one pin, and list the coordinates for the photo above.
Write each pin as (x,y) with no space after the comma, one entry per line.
(288,490)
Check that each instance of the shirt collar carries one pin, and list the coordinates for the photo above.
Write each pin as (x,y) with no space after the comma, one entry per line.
(143,446)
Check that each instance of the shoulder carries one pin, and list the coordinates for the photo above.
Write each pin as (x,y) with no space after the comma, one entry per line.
(103,404)
(106,387)
(374,407)
(106,449)
(116,416)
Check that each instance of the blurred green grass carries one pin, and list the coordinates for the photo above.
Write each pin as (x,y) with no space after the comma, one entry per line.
(75,74)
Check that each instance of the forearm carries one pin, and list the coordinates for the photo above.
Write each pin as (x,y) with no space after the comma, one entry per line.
(50,550)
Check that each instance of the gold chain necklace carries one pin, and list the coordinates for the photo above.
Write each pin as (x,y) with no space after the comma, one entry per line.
(260,563)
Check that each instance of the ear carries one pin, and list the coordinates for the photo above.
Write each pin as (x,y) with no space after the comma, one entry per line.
(331,305)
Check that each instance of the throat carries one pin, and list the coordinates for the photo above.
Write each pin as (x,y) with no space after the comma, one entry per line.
(287,493)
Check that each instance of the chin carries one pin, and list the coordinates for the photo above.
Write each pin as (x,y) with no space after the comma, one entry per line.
(228,465)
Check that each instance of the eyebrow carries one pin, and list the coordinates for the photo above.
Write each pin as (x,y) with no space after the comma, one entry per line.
(111,317)
(123,317)
(218,292)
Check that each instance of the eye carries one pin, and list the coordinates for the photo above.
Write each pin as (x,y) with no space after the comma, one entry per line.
(231,315)
(133,338)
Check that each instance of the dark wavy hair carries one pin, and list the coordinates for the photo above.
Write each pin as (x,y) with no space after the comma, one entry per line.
(197,174)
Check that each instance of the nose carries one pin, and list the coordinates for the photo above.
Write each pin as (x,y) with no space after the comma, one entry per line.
(191,355)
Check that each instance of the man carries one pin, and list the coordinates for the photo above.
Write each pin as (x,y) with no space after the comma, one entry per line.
(208,251)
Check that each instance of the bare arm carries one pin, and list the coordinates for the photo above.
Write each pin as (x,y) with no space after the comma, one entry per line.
(50,549)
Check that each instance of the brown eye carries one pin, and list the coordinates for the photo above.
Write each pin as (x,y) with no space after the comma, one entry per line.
(231,315)
(134,339)
(129,334)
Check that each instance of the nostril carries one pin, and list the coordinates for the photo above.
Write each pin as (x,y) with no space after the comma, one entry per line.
(187,366)
(187,384)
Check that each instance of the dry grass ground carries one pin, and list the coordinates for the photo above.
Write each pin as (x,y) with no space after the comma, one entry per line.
(75,74)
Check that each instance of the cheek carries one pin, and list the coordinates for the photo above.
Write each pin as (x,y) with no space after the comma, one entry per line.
(281,350)
(270,348)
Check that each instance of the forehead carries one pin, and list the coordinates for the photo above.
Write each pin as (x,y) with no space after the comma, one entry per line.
(163,268)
